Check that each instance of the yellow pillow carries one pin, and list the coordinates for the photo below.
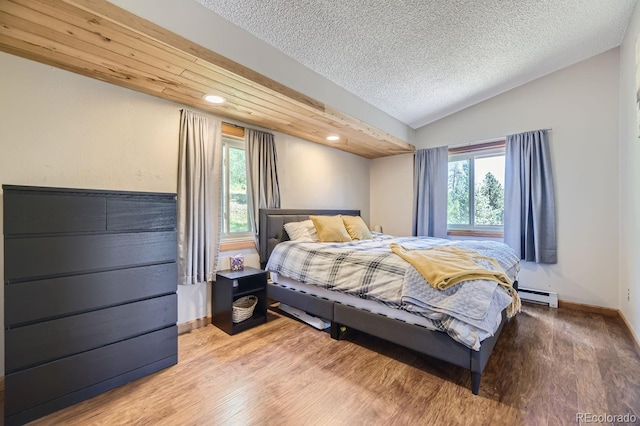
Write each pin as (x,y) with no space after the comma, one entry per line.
(330,229)
(357,229)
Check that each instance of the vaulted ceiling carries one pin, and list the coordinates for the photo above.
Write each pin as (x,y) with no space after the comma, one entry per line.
(420,60)
(99,40)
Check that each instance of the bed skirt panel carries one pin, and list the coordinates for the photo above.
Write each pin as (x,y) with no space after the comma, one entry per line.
(433,343)
(314,305)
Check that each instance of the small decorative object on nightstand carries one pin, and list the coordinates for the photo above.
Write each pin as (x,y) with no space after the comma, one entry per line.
(231,286)
(236,262)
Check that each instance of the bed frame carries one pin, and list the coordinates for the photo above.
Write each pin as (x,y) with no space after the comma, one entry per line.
(433,343)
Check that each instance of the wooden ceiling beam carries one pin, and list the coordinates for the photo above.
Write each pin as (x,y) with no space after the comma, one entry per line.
(99,40)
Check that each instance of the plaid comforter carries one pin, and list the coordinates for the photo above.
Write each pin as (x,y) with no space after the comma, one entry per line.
(369,270)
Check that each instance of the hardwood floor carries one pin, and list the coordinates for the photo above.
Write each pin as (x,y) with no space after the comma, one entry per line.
(547,366)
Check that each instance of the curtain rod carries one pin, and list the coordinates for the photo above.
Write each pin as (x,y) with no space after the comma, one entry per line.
(498,138)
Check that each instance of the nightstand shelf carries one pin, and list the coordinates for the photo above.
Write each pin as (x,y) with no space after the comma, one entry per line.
(230,286)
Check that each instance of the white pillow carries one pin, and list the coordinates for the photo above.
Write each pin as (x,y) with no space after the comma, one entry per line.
(302,231)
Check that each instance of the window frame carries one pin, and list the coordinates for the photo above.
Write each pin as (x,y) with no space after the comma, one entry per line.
(473,152)
(229,238)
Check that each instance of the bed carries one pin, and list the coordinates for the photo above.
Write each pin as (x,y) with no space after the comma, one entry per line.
(413,330)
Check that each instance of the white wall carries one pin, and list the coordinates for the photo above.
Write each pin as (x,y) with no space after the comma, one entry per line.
(392,194)
(580,104)
(64,130)
(315,176)
(629,294)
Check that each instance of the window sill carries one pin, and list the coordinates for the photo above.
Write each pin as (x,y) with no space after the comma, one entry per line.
(237,245)
(475,233)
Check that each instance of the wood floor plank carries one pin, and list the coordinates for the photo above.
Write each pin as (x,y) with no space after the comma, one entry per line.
(623,396)
(563,403)
(547,366)
(590,382)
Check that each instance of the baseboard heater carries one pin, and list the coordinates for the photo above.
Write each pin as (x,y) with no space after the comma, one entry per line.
(539,296)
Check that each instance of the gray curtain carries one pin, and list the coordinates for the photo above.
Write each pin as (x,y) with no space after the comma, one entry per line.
(199,176)
(430,192)
(262,175)
(529,201)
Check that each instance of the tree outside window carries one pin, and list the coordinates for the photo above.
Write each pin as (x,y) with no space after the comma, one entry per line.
(235,221)
(476,189)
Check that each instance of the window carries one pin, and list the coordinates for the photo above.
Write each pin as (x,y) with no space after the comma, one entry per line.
(476,190)
(235,208)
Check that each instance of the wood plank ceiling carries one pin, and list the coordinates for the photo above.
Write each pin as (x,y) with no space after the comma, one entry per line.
(100,40)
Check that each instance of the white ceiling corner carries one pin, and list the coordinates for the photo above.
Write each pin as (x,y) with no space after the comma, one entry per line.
(418,60)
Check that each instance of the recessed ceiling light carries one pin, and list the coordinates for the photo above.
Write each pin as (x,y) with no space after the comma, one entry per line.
(214,99)
(333,138)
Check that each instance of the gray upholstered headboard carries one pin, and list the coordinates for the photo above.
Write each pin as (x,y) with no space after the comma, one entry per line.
(272,226)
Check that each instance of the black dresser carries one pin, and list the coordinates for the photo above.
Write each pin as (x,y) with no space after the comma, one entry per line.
(90,294)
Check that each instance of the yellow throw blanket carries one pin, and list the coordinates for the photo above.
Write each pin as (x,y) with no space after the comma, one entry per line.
(445,266)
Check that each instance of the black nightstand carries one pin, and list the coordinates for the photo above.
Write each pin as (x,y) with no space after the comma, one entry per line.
(231,285)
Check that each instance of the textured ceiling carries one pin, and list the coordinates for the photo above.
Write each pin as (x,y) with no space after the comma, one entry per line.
(420,60)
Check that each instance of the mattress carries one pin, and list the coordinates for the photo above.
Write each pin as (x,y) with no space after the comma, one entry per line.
(345,299)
